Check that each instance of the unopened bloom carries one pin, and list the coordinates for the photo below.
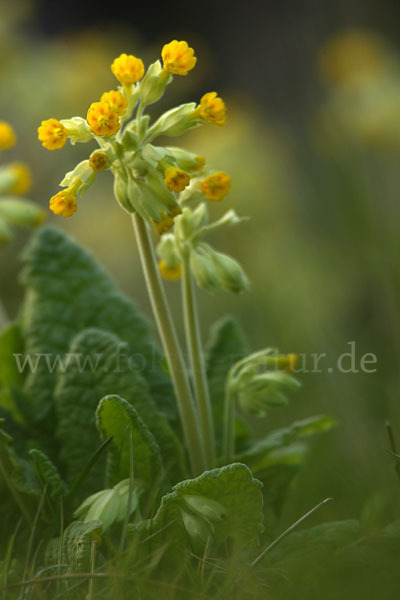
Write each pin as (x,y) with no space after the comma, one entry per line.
(128,69)
(212,109)
(98,161)
(22,178)
(64,203)
(116,100)
(176,179)
(52,134)
(7,136)
(169,273)
(102,119)
(216,186)
(178,58)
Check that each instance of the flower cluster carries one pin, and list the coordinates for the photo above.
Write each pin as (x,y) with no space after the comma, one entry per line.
(261,380)
(212,270)
(157,182)
(148,179)
(15,181)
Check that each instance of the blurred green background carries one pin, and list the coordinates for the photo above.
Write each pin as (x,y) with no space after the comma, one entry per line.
(313,146)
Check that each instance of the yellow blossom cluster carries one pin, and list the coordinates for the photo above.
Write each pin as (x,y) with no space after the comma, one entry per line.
(125,137)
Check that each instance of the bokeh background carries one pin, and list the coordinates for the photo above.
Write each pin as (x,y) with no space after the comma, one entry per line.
(313,145)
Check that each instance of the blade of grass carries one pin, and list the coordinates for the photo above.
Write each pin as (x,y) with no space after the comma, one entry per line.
(86,469)
(288,531)
(7,559)
(33,531)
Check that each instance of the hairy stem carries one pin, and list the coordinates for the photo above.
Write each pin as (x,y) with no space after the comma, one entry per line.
(171,347)
(193,341)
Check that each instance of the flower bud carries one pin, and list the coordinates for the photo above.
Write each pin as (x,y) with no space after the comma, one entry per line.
(166,250)
(261,391)
(204,272)
(76,129)
(165,199)
(230,273)
(15,178)
(121,192)
(98,161)
(154,83)
(192,221)
(188,161)
(21,212)
(81,177)
(175,121)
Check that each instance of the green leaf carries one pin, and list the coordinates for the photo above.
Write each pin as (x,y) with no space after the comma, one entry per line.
(91,375)
(260,454)
(276,459)
(47,473)
(327,537)
(10,377)
(116,417)
(227,345)
(67,291)
(232,489)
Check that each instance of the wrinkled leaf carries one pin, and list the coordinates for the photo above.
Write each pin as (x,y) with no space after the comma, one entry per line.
(48,474)
(178,524)
(79,390)
(116,417)
(76,542)
(67,291)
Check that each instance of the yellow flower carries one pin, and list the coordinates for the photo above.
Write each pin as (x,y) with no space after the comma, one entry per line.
(212,109)
(98,161)
(164,225)
(216,186)
(176,179)
(64,203)
(22,178)
(102,119)
(52,134)
(128,69)
(178,58)
(116,100)
(7,136)
(169,273)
